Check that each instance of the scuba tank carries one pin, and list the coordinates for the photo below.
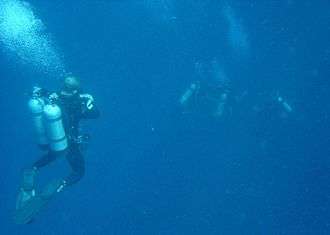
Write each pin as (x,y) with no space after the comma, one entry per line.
(47,120)
(36,106)
(188,93)
(52,117)
(220,109)
(285,105)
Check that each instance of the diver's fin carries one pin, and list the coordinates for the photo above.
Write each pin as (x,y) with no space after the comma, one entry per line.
(23,197)
(27,190)
(28,180)
(29,210)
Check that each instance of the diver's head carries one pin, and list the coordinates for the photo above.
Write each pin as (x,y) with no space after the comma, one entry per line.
(70,90)
(71,86)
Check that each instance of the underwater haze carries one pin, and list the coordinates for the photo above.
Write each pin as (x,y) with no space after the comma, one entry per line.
(259,165)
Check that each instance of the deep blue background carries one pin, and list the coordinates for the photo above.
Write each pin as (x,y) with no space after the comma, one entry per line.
(246,175)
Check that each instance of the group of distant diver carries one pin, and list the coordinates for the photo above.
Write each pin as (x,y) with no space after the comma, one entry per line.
(212,95)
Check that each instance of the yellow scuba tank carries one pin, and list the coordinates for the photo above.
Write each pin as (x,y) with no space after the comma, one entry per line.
(54,127)
(36,107)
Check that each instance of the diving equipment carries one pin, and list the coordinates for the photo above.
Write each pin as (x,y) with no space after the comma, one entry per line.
(221,105)
(31,208)
(27,190)
(54,127)
(47,120)
(28,179)
(36,105)
(189,93)
(284,104)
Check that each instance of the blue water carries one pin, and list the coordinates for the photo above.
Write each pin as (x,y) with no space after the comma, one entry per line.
(150,168)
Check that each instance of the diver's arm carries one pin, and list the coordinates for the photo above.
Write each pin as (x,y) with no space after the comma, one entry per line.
(89,110)
(40,92)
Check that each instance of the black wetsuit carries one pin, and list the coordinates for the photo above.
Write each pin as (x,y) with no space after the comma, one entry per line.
(74,110)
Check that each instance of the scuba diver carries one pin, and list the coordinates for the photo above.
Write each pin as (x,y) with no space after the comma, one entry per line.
(210,94)
(275,107)
(273,114)
(285,108)
(56,118)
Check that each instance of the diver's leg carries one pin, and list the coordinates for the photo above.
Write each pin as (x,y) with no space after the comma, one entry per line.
(27,189)
(45,160)
(77,164)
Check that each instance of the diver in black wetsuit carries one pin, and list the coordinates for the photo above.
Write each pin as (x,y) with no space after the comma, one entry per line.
(211,94)
(75,106)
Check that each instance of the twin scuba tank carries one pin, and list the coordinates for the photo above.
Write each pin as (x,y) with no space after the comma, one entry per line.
(48,124)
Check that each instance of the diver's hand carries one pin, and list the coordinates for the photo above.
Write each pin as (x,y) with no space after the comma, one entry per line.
(88,100)
(37,91)
(53,97)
